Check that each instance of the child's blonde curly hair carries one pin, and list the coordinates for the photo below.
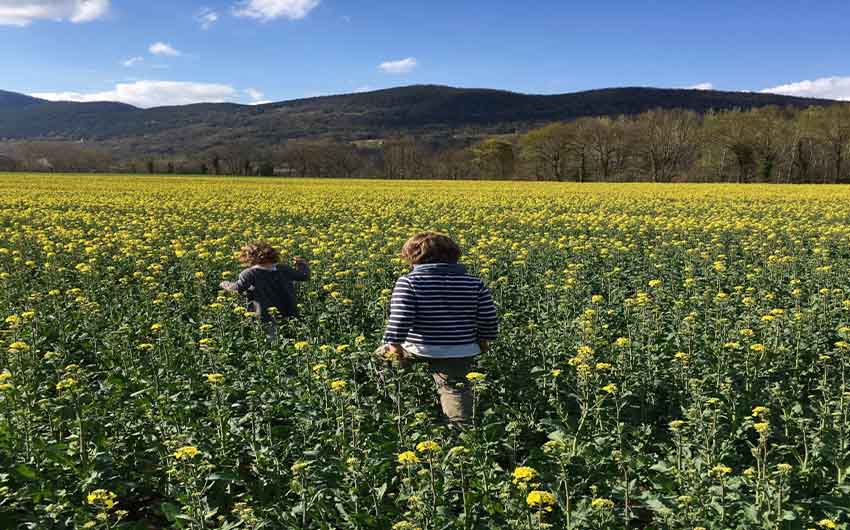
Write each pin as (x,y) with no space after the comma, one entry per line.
(258,252)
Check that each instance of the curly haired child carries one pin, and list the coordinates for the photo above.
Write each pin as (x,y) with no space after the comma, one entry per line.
(268,285)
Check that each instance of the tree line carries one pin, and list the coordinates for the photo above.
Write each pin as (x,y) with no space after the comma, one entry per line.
(768,144)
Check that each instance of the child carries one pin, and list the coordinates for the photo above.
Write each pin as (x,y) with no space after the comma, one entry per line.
(441,315)
(271,293)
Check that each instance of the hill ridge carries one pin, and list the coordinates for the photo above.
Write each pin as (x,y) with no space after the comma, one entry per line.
(431,111)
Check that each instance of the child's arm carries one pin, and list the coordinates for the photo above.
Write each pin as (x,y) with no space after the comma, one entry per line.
(301,271)
(488,318)
(402,314)
(245,282)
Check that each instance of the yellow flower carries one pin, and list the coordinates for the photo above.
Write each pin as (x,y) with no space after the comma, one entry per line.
(681,356)
(762,428)
(342,348)
(541,500)
(603,366)
(18,347)
(827,523)
(757,347)
(298,467)
(408,458)
(475,377)
(676,425)
(5,375)
(601,504)
(66,384)
(720,470)
(301,345)
(186,452)
(524,474)
(784,469)
(555,373)
(622,342)
(102,498)
(458,451)
(610,388)
(156,327)
(338,385)
(428,446)
(215,379)
(655,283)
(554,447)
(760,411)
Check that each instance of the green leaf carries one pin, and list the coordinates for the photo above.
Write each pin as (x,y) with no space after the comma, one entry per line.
(171,511)
(26,471)
(224,476)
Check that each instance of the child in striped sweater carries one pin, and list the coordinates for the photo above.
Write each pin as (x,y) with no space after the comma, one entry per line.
(441,315)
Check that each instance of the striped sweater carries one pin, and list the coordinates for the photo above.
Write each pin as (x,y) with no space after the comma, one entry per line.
(440,304)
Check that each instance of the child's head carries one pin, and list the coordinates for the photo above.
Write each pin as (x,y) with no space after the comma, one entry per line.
(258,252)
(430,247)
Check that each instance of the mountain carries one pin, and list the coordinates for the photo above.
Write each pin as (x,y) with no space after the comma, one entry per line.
(13,100)
(434,112)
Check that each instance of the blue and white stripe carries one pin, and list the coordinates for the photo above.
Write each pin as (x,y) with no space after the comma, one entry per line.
(440,304)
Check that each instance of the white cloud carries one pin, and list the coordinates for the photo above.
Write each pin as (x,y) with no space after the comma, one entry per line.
(24,12)
(824,87)
(254,94)
(701,86)
(163,48)
(364,88)
(402,66)
(206,17)
(132,61)
(150,93)
(266,10)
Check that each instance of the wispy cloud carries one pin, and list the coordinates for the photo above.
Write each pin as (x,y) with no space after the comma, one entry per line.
(206,17)
(257,97)
(401,66)
(824,87)
(701,86)
(266,10)
(163,48)
(151,93)
(24,12)
(132,61)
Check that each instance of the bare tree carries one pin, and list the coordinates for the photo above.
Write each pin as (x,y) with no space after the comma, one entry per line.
(667,142)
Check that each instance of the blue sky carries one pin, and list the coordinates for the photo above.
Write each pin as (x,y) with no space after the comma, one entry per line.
(152,52)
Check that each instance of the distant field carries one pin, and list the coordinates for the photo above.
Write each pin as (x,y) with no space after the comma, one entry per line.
(671,356)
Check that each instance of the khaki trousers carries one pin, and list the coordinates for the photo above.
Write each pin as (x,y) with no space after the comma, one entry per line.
(449,376)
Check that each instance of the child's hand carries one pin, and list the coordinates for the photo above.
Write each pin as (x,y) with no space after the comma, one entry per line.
(227,286)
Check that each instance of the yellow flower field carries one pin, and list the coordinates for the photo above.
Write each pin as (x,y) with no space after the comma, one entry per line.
(670,356)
